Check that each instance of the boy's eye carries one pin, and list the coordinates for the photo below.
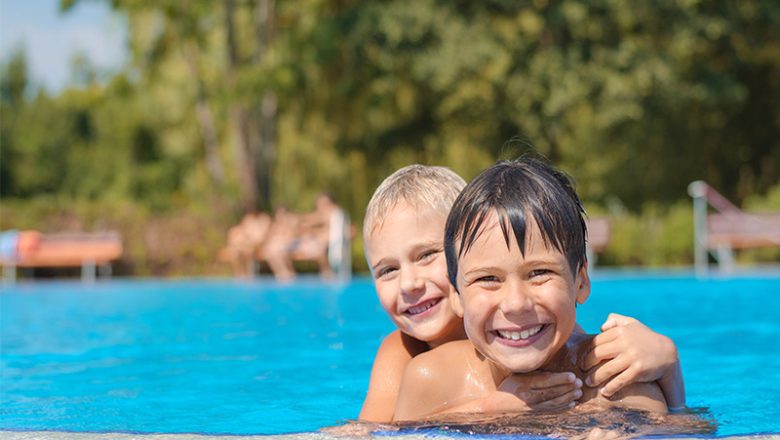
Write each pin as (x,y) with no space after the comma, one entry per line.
(428,255)
(487,279)
(536,273)
(385,272)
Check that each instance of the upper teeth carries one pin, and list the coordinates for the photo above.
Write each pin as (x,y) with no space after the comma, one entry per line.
(515,336)
(421,308)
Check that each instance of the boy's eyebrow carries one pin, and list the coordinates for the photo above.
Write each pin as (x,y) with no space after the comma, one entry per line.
(378,263)
(481,269)
(429,243)
(543,261)
(531,263)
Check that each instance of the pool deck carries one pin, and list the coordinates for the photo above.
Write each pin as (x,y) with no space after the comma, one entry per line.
(52,435)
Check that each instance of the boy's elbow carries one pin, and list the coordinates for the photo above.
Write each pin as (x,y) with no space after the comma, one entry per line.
(644,396)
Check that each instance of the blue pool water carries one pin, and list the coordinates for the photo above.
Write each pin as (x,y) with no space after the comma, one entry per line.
(216,356)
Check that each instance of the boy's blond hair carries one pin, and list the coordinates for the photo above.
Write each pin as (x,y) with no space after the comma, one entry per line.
(418,185)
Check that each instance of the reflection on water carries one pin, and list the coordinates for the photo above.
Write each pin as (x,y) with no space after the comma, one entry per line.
(576,424)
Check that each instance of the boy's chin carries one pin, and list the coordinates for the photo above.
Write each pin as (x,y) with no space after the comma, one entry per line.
(525,367)
(521,363)
(425,334)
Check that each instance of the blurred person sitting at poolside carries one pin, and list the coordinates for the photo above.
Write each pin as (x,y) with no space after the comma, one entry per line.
(515,254)
(302,237)
(403,231)
(245,242)
(283,231)
(314,234)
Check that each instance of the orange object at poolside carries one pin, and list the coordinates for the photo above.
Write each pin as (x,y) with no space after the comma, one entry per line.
(87,250)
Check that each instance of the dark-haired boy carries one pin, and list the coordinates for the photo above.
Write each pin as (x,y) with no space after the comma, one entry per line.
(515,248)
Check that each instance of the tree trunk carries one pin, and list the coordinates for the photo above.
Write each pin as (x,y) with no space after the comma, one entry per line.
(239,122)
(265,123)
(205,118)
(245,161)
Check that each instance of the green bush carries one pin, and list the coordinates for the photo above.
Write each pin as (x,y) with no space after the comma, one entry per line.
(657,236)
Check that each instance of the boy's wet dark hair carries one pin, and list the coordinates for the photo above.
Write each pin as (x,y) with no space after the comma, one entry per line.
(518,190)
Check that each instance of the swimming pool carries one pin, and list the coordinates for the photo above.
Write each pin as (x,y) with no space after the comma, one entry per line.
(228,357)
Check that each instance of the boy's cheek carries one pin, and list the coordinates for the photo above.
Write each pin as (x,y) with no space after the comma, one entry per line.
(385,299)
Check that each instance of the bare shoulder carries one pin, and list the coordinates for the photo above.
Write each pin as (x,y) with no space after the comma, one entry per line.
(446,359)
(440,365)
(433,380)
(392,343)
(400,346)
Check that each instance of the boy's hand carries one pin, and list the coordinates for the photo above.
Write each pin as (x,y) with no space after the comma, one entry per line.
(633,353)
(539,391)
(600,434)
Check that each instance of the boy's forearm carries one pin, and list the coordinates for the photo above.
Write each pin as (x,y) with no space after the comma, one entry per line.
(493,402)
(673,387)
(480,405)
(417,407)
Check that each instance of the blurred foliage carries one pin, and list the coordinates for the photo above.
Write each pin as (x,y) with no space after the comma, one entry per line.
(231,106)
(656,236)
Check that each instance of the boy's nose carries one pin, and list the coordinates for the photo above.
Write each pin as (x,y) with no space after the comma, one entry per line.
(516,299)
(411,282)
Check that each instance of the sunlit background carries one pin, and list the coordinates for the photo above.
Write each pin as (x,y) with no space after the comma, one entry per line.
(167,120)
(145,131)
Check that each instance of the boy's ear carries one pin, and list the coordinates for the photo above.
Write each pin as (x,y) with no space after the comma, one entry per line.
(582,282)
(455,302)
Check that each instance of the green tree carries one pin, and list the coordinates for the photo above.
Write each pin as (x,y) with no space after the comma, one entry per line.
(232,106)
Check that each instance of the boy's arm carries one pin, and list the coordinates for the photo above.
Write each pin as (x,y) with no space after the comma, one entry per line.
(673,387)
(643,395)
(391,359)
(628,352)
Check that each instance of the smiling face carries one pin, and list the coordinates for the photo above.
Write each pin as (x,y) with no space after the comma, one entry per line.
(406,256)
(518,309)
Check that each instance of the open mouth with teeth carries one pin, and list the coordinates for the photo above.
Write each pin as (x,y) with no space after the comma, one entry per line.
(423,307)
(520,337)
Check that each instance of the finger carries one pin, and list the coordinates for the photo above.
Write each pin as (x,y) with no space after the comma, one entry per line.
(599,353)
(614,320)
(606,371)
(609,323)
(547,380)
(595,434)
(600,434)
(606,336)
(566,400)
(524,385)
(537,396)
(619,382)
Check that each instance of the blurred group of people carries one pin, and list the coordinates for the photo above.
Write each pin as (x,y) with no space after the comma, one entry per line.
(282,239)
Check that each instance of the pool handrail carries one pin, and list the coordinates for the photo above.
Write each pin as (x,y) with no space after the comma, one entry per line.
(728,229)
